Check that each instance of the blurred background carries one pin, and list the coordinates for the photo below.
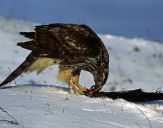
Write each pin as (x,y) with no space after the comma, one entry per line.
(128,18)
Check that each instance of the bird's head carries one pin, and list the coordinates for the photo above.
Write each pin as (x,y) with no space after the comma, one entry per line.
(100,78)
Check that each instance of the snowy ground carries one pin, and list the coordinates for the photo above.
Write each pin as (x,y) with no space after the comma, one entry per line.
(44,102)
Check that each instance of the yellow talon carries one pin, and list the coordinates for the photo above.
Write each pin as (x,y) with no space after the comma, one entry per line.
(77,88)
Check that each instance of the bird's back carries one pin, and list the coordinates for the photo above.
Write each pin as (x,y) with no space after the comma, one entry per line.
(63,39)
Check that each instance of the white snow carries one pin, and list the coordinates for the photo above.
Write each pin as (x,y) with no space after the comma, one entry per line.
(44,102)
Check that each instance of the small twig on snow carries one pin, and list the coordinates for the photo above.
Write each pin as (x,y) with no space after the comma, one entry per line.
(15,122)
(145,117)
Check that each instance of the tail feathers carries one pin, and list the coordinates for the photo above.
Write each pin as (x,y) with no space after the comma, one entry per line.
(22,68)
(30,35)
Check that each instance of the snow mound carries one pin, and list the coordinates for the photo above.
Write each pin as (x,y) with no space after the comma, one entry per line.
(44,102)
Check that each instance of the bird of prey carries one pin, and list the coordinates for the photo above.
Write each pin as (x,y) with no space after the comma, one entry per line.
(74,47)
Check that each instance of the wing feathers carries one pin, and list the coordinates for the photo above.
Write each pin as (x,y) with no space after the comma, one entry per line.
(30,35)
(27,45)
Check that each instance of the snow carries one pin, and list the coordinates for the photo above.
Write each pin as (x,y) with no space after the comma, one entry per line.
(44,102)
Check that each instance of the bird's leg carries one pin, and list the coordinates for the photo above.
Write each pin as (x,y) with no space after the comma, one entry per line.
(74,83)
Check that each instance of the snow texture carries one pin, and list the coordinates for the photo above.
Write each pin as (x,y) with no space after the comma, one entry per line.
(44,102)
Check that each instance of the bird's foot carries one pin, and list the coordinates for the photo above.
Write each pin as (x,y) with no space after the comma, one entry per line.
(77,88)
(88,92)
(80,90)
(92,91)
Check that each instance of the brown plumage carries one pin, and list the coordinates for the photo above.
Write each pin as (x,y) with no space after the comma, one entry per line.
(74,47)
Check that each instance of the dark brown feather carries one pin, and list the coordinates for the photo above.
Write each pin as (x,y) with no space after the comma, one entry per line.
(30,35)
(27,45)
